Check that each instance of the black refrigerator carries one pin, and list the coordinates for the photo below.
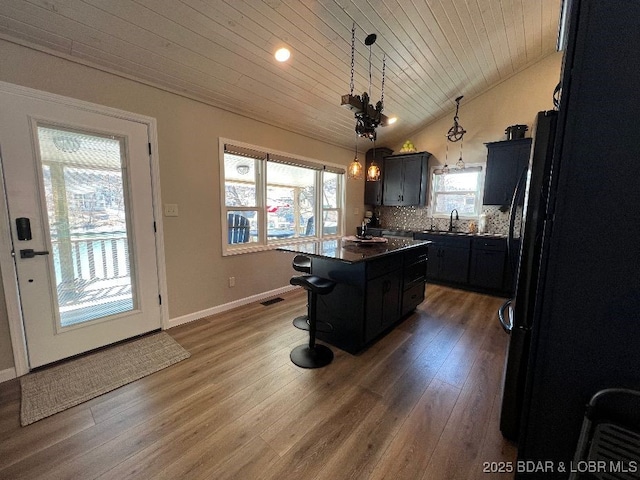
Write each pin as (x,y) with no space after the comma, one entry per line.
(576,312)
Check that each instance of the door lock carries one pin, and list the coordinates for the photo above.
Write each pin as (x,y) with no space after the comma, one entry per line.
(30,253)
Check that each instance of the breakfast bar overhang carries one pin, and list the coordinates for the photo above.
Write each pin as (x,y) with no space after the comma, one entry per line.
(378,284)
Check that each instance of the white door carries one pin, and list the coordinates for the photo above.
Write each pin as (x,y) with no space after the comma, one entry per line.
(80,206)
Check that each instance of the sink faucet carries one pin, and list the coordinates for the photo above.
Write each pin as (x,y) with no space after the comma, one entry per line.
(451,219)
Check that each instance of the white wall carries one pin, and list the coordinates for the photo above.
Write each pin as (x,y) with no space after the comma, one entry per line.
(516,100)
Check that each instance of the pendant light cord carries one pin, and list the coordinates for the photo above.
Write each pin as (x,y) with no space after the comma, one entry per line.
(353,50)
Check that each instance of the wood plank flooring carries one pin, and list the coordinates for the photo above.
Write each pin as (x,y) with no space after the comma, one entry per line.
(421,403)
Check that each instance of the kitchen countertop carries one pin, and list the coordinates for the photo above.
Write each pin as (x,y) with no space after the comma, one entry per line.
(394,232)
(351,252)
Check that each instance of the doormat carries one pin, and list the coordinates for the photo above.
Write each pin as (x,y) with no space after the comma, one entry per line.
(65,385)
(271,301)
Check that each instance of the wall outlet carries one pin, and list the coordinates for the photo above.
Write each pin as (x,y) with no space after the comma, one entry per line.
(232,282)
(170,210)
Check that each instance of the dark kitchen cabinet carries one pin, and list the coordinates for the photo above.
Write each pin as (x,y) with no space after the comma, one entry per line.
(373,190)
(477,263)
(406,179)
(383,304)
(370,296)
(488,263)
(506,161)
(448,258)
(414,278)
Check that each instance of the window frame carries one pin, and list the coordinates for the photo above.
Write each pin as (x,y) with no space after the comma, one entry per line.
(263,243)
(480,168)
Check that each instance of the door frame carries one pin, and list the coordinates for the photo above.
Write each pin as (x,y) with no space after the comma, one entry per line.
(7,263)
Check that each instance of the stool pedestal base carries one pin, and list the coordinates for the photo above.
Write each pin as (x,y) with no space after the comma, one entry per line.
(316,357)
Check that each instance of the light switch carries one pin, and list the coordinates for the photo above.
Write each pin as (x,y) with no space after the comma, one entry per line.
(170,210)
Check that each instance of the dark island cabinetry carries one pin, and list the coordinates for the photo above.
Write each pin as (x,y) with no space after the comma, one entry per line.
(383,301)
(373,190)
(376,286)
(406,179)
(413,280)
(506,161)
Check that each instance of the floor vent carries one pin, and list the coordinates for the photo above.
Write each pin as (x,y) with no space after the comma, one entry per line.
(271,301)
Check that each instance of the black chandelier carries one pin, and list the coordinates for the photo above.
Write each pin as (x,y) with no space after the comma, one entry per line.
(368,117)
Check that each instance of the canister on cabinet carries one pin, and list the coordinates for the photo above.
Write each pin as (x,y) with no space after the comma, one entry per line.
(482,223)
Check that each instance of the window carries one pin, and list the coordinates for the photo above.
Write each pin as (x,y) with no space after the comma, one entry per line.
(459,189)
(272,198)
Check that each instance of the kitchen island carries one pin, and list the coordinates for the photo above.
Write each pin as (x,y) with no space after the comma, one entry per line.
(377,285)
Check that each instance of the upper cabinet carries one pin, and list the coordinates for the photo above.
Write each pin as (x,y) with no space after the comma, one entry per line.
(506,161)
(406,179)
(373,190)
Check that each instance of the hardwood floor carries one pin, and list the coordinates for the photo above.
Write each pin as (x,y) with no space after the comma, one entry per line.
(421,403)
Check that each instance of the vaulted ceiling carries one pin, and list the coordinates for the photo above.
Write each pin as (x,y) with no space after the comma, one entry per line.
(221,52)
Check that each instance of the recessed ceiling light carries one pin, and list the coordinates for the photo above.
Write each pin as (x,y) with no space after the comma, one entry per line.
(392,120)
(282,54)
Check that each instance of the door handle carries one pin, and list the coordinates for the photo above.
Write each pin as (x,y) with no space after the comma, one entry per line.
(30,253)
(506,326)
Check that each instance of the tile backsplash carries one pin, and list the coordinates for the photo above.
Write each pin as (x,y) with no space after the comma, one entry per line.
(419,218)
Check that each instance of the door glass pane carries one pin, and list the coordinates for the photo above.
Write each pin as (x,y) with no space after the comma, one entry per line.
(85,194)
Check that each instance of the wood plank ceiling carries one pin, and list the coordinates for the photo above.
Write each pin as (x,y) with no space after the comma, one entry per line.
(221,52)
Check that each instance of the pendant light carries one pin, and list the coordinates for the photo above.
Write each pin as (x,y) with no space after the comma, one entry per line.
(355,168)
(444,170)
(373,172)
(460,163)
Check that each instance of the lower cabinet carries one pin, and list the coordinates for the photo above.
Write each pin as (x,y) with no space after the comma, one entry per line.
(383,303)
(370,297)
(413,280)
(448,258)
(488,262)
(475,263)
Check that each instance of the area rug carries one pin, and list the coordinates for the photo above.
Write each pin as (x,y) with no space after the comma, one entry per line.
(65,385)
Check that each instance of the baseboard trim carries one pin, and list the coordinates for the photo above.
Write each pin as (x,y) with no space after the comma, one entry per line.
(8,374)
(174,322)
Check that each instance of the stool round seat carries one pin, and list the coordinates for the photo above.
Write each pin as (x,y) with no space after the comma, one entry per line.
(302,263)
(313,283)
(312,355)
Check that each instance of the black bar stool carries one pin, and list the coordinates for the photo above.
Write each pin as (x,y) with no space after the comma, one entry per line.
(312,355)
(302,263)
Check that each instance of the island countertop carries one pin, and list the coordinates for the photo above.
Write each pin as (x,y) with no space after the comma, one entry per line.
(352,252)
